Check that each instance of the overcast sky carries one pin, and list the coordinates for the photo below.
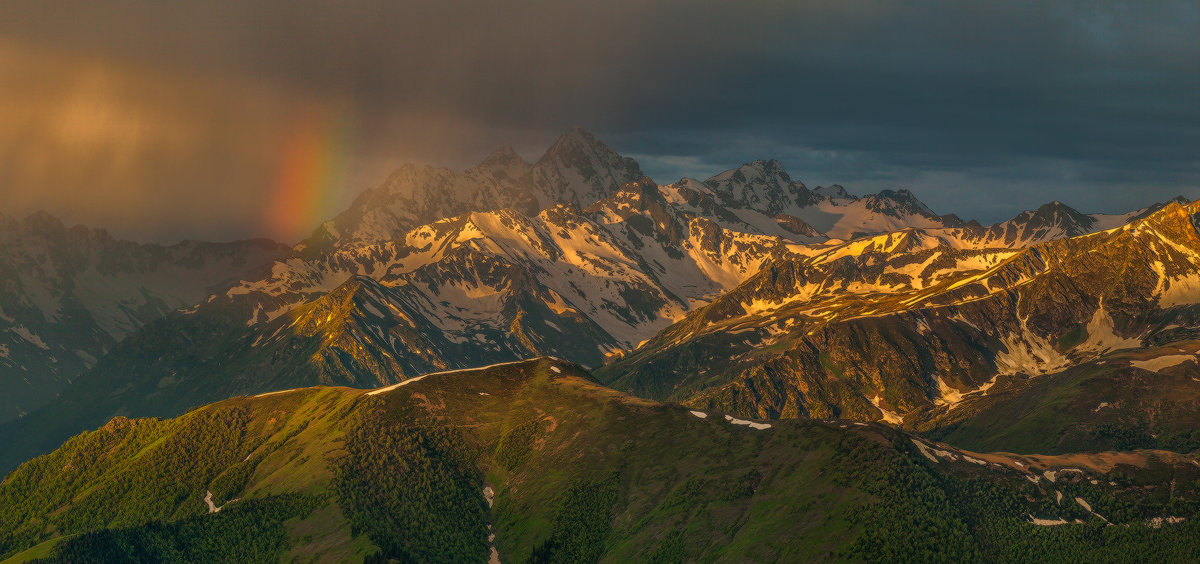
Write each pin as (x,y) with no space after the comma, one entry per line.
(165,120)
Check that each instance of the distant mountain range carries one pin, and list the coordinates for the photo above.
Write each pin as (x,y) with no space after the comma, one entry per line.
(71,294)
(577,255)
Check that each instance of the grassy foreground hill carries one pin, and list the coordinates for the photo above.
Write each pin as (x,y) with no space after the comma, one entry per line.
(535,462)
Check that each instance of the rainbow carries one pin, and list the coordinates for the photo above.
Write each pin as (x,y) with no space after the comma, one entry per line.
(311,172)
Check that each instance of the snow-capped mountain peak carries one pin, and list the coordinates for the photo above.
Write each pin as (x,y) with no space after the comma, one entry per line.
(1059,214)
(504,156)
(761,172)
(897,202)
(571,143)
(504,160)
(576,169)
(580,169)
(761,185)
(833,192)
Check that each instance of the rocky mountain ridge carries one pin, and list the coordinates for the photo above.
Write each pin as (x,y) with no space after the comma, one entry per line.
(895,327)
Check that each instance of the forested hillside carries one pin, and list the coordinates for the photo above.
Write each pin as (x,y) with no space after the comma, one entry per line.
(538,463)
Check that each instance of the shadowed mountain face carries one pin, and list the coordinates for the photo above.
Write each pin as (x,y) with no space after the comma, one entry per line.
(534,461)
(70,294)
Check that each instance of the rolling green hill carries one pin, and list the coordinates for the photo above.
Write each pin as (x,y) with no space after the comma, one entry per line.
(561,469)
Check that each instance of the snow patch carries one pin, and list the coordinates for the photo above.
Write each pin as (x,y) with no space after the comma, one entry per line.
(276,392)
(423,376)
(1178,291)
(212,507)
(973,460)
(86,357)
(947,395)
(751,424)
(1052,475)
(489,495)
(1102,337)
(1157,522)
(1084,504)
(1029,353)
(1047,522)
(1160,362)
(889,416)
(934,453)
(24,333)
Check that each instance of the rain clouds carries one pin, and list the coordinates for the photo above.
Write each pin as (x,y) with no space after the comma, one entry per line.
(163,120)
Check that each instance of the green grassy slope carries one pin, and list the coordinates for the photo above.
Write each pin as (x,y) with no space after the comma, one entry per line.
(580,473)
(1111,404)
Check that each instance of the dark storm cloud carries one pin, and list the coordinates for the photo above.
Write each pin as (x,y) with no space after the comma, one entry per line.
(982,108)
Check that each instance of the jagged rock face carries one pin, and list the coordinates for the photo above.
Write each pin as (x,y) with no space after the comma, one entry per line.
(760,185)
(897,202)
(621,270)
(70,294)
(833,192)
(1050,222)
(578,169)
(888,327)
(479,288)
(827,212)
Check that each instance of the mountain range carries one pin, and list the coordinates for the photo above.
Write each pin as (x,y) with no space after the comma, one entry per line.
(747,297)
(894,329)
